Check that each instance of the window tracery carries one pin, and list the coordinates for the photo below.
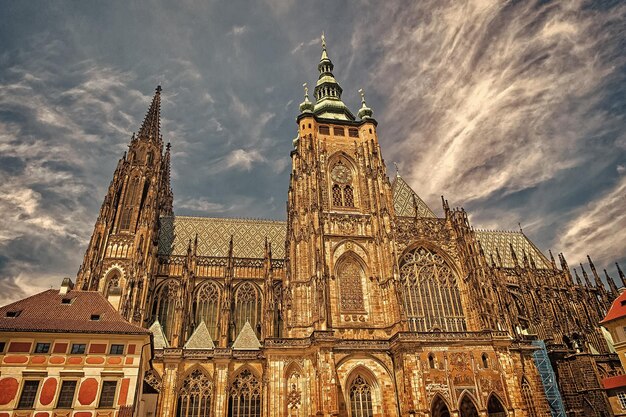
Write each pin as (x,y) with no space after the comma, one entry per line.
(207,307)
(245,396)
(247,307)
(430,292)
(112,282)
(360,398)
(350,285)
(527,396)
(165,305)
(342,189)
(194,397)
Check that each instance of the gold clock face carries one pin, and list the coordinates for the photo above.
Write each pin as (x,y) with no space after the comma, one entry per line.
(341,174)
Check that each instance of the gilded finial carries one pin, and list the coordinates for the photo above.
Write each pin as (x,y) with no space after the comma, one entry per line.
(323,41)
(306,90)
(362,93)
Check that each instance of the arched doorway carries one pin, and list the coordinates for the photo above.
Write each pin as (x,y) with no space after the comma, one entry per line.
(439,408)
(495,407)
(467,407)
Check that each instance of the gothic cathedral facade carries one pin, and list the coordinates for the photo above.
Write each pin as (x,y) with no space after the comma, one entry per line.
(362,303)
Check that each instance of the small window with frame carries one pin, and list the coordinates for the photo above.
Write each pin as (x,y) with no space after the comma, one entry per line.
(116,349)
(66,394)
(338,131)
(353,133)
(78,348)
(107,394)
(29,394)
(42,347)
(324,130)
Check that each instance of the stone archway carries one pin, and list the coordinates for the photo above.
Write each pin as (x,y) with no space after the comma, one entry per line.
(467,408)
(495,407)
(439,408)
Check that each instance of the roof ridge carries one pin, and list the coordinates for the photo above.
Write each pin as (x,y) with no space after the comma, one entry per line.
(28,298)
(244,219)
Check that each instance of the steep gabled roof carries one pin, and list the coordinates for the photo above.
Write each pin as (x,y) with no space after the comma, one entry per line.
(246,339)
(617,310)
(492,239)
(214,236)
(405,200)
(200,338)
(74,312)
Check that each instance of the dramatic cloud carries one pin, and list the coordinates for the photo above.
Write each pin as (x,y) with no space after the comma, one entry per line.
(514,110)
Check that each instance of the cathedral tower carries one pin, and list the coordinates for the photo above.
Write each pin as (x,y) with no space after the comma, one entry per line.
(339,237)
(123,245)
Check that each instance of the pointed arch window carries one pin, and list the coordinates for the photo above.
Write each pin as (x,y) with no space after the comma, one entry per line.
(247,307)
(350,275)
(194,397)
(244,398)
(207,307)
(342,188)
(112,283)
(361,398)
(165,305)
(430,293)
(527,397)
(467,408)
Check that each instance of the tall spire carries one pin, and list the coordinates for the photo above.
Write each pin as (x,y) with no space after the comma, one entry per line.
(364,112)
(151,126)
(328,91)
(167,201)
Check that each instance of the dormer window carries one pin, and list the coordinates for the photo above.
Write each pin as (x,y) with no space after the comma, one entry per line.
(67,300)
(14,313)
(95,317)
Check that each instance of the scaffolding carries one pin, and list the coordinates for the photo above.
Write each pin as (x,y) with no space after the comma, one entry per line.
(548,379)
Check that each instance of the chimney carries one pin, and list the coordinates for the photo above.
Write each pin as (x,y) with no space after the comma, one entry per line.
(66,285)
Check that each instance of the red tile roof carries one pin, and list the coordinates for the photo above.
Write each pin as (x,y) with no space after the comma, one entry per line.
(618,308)
(46,312)
(614,382)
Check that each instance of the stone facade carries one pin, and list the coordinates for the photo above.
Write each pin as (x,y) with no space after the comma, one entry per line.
(363,303)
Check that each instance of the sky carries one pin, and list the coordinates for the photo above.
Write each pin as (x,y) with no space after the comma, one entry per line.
(514,110)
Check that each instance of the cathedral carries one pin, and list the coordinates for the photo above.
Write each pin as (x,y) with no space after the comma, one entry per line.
(363,303)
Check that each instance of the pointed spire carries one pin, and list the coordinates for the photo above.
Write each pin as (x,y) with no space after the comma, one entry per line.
(306,106)
(513,255)
(578,280)
(167,196)
(151,126)
(621,275)
(596,277)
(612,284)
(552,261)
(585,276)
(364,112)
(328,91)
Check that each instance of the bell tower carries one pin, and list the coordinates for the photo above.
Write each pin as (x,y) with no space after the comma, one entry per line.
(341,270)
(122,249)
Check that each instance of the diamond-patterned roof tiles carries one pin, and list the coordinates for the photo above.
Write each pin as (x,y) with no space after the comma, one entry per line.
(490,240)
(403,200)
(214,236)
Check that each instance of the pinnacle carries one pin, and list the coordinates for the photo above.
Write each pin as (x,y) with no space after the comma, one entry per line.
(151,126)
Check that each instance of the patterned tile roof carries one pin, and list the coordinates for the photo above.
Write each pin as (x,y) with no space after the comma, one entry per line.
(246,340)
(200,338)
(48,312)
(491,239)
(160,341)
(214,236)
(403,200)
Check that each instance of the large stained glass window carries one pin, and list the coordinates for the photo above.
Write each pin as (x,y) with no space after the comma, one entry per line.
(194,397)
(430,292)
(207,307)
(361,398)
(245,396)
